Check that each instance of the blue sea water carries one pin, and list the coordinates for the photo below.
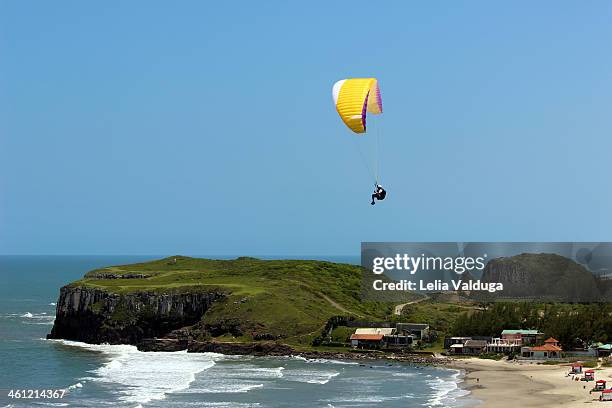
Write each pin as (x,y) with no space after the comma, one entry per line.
(121,376)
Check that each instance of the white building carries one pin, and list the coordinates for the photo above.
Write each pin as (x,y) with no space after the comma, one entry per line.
(549,351)
(501,345)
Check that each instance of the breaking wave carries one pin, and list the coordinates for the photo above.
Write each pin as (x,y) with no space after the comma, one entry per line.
(445,391)
(141,377)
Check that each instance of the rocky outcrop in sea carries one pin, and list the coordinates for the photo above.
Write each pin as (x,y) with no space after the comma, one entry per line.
(95,316)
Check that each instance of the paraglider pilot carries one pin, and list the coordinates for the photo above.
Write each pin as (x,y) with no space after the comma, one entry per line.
(379,193)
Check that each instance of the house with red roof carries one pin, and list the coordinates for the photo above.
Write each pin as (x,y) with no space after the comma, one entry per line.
(370,337)
(370,340)
(377,337)
(550,350)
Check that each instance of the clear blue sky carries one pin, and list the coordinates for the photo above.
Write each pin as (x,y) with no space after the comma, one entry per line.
(209,128)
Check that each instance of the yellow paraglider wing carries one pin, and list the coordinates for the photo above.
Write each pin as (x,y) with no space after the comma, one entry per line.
(354,98)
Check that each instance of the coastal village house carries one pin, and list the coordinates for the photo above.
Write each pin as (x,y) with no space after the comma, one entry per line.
(527,337)
(508,345)
(450,341)
(511,341)
(398,340)
(474,347)
(550,350)
(456,348)
(469,346)
(380,337)
(370,337)
(419,330)
(367,340)
(604,350)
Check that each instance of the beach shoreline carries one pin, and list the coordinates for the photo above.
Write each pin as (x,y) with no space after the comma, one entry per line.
(502,384)
(487,383)
(380,381)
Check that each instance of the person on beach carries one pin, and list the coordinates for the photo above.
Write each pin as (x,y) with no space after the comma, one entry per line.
(379,193)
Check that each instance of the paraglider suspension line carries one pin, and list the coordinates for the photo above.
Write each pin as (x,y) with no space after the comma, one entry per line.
(365,161)
(376,161)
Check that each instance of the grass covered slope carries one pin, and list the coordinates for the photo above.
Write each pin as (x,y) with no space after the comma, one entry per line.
(288,299)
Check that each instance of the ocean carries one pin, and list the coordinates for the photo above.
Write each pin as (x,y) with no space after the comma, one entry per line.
(121,376)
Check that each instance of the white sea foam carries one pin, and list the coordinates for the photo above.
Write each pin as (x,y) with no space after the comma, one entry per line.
(235,378)
(52,304)
(225,388)
(445,392)
(255,372)
(38,318)
(362,399)
(365,398)
(137,378)
(311,376)
(326,361)
(74,386)
(42,316)
(404,374)
(143,377)
(218,404)
(323,360)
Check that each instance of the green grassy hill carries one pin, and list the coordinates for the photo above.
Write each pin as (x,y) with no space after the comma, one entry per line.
(288,299)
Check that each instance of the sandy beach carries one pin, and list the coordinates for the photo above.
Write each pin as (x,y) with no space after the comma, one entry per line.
(503,384)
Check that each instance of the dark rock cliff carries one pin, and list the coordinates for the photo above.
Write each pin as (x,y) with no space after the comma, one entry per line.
(96,316)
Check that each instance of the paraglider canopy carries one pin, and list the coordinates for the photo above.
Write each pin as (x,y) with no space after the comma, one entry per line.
(354,98)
